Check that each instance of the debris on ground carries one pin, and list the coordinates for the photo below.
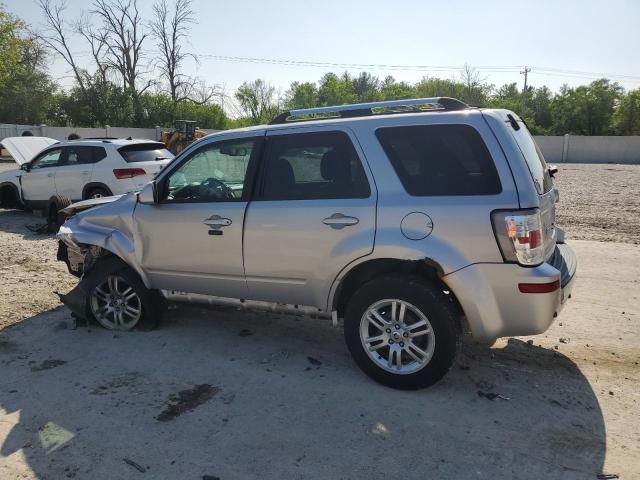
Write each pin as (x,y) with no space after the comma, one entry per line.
(314,361)
(563,340)
(47,365)
(135,465)
(210,477)
(491,395)
(607,476)
(187,400)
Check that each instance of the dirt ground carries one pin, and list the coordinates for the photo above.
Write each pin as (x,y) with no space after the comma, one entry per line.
(235,395)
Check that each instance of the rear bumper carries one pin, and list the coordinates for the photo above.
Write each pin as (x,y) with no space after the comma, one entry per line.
(494,305)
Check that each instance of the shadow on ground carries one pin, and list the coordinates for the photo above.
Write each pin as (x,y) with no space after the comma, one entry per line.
(242,395)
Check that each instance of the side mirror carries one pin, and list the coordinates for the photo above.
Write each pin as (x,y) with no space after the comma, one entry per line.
(25,166)
(148,195)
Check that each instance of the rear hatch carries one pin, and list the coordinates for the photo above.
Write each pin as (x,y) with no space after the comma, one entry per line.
(543,182)
(145,160)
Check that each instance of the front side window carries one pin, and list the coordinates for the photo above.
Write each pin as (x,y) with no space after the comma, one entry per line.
(49,159)
(312,166)
(213,173)
(440,160)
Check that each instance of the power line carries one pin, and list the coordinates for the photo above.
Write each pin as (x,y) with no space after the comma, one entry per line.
(542,71)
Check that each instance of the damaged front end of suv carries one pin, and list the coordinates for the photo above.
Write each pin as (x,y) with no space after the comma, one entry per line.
(100,239)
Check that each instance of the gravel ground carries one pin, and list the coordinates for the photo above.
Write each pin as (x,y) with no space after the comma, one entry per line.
(232,395)
(600,202)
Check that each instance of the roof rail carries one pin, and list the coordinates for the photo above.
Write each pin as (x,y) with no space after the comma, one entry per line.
(411,105)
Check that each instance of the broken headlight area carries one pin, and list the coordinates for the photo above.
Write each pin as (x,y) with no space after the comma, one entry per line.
(78,258)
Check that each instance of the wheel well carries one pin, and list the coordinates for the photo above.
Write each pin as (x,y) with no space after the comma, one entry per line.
(426,269)
(9,196)
(92,186)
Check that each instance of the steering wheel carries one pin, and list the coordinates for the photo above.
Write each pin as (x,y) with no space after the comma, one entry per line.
(216,188)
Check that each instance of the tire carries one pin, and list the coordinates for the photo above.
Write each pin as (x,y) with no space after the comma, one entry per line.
(420,302)
(98,192)
(111,277)
(54,217)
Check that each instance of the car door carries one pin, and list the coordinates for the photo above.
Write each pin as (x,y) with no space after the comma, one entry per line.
(191,239)
(313,213)
(38,180)
(76,169)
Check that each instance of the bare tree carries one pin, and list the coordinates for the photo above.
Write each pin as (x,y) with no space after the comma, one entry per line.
(170,28)
(97,43)
(55,36)
(123,34)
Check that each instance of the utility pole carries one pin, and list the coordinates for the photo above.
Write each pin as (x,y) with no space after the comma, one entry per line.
(525,73)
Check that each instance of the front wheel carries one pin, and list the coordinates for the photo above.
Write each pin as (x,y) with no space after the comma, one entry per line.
(118,300)
(401,332)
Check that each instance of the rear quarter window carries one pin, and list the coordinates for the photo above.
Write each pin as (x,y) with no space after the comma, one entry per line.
(144,152)
(440,160)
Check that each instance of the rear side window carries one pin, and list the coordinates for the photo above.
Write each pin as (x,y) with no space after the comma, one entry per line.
(440,160)
(82,155)
(313,166)
(144,152)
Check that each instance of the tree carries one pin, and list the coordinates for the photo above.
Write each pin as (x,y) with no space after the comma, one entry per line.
(10,45)
(301,95)
(26,91)
(258,101)
(626,118)
(123,33)
(169,28)
(585,110)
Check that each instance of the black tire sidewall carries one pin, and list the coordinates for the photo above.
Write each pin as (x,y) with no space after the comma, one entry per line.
(152,302)
(430,301)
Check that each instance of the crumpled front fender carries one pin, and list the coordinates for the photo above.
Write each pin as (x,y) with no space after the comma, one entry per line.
(109,226)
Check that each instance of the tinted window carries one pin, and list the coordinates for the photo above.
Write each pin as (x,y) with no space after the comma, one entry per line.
(534,158)
(440,160)
(145,152)
(313,166)
(213,173)
(80,155)
(50,158)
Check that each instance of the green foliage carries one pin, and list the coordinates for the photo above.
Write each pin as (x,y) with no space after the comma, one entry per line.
(626,118)
(585,110)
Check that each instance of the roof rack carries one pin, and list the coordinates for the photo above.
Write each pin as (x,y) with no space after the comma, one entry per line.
(411,105)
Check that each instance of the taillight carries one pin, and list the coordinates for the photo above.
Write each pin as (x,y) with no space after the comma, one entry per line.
(121,173)
(520,236)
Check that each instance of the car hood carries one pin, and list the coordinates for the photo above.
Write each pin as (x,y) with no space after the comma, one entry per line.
(23,149)
(86,204)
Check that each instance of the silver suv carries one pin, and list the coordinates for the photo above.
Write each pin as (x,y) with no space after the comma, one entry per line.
(412,220)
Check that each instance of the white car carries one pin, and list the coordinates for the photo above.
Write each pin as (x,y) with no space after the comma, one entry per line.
(53,173)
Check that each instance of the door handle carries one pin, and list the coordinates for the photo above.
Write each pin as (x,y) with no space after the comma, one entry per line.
(216,221)
(338,221)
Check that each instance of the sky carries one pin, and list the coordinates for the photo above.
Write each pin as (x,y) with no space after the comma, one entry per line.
(601,38)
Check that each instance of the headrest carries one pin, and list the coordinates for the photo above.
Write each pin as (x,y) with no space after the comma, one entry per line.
(334,166)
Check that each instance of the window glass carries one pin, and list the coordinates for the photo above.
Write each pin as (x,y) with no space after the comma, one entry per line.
(79,155)
(440,160)
(534,158)
(144,152)
(48,159)
(213,173)
(311,166)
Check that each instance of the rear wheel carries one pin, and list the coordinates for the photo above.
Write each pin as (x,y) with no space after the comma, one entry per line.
(401,332)
(55,218)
